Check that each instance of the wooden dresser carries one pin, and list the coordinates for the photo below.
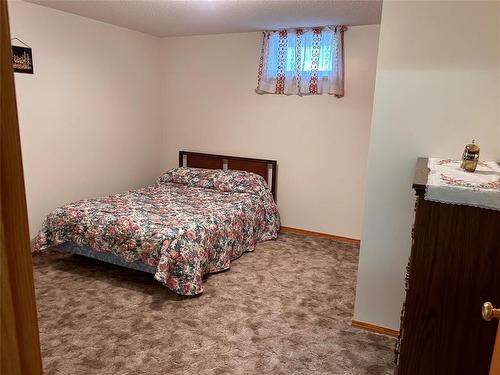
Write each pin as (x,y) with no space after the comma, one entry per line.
(454,268)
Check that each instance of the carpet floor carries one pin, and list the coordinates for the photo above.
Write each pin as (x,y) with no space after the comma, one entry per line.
(286,308)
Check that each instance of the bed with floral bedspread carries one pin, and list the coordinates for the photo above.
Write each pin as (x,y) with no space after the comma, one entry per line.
(189,223)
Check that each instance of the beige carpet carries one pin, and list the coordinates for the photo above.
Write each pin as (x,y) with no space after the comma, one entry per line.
(283,309)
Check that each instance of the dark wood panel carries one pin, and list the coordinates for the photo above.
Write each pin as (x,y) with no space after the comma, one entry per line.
(455,261)
(207,162)
(257,167)
(227,157)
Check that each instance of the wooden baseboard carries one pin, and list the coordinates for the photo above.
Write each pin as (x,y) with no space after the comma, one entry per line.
(375,328)
(319,234)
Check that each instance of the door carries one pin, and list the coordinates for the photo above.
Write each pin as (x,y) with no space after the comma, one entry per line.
(490,313)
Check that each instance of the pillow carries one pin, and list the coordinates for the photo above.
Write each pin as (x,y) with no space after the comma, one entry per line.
(217,179)
(241,182)
(198,177)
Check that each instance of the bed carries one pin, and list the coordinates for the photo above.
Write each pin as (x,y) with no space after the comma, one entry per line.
(194,220)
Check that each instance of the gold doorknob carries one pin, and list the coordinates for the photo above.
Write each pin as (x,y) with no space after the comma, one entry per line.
(489,312)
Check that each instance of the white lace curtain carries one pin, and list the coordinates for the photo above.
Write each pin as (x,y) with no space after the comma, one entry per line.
(302,62)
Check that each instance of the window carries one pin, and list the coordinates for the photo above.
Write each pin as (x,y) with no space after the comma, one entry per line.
(302,61)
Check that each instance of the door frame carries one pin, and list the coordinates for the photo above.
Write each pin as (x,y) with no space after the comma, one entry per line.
(19,337)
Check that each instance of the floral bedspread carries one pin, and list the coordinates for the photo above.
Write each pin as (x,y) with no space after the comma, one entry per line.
(191,222)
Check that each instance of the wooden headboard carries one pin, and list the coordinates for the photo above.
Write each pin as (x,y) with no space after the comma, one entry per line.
(265,168)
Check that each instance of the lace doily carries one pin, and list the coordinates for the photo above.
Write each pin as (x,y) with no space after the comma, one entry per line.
(448,183)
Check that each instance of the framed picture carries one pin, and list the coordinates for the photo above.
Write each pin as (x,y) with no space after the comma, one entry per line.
(22,59)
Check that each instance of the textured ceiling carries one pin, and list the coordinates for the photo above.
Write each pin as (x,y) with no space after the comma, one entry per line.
(176,17)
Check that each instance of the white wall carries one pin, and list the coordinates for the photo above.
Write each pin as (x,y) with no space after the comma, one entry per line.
(320,142)
(437,88)
(90,115)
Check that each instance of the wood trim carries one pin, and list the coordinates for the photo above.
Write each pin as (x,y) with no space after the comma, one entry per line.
(495,358)
(304,232)
(19,339)
(374,328)
(225,156)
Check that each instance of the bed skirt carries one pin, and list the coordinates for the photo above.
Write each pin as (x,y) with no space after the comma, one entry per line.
(87,251)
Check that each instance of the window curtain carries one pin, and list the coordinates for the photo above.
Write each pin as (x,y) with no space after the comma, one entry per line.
(302,62)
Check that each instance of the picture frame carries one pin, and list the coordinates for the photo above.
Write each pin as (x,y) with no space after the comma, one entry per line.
(22,59)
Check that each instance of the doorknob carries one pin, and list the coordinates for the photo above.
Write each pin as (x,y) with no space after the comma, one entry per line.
(489,312)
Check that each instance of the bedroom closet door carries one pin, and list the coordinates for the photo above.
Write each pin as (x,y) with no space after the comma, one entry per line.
(19,340)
